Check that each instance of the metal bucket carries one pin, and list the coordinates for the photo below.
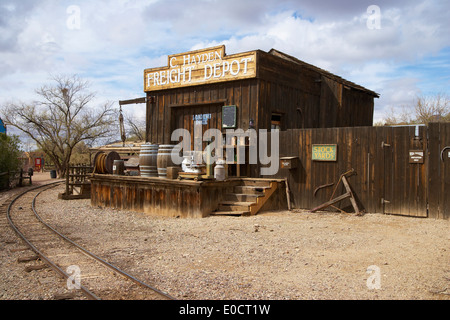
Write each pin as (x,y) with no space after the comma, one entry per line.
(147,160)
(118,167)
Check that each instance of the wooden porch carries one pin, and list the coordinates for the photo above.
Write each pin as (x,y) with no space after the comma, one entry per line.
(188,198)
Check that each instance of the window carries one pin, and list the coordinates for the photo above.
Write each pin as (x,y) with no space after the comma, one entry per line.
(276,121)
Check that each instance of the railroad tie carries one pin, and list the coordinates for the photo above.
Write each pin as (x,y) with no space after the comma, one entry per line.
(34,268)
(19,249)
(27,259)
(64,296)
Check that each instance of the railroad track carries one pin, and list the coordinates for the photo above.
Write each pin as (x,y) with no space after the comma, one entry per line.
(85,272)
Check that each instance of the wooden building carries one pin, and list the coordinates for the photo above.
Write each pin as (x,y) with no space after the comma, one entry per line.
(268,89)
(209,89)
(330,156)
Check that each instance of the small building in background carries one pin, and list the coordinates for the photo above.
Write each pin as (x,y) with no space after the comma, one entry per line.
(33,160)
(2,126)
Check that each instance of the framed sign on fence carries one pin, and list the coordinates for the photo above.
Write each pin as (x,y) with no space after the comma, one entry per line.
(324,152)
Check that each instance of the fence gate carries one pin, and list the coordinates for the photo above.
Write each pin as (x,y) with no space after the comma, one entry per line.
(405,171)
(439,170)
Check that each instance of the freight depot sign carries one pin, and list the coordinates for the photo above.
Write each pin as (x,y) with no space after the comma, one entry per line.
(200,67)
(324,152)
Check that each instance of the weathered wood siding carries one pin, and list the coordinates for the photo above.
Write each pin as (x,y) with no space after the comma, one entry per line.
(308,98)
(356,109)
(439,171)
(162,115)
(303,96)
(287,89)
(155,196)
(380,158)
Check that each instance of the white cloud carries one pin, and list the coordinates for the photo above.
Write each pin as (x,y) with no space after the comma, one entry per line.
(117,40)
(345,46)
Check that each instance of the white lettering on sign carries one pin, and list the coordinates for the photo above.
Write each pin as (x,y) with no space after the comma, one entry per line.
(164,77)
(219,70)
(201,58)
(171,62)
(416,157)
(199,67)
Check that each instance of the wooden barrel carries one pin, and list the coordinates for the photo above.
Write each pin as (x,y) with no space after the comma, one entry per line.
(164,159)
(118,167)
(147,160)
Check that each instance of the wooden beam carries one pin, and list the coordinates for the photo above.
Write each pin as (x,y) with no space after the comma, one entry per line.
(352,198)
(329,203)
(348,194)
(133,101)
(198,104)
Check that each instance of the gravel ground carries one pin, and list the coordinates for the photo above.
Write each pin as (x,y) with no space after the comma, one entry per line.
(275,255)
(15,282)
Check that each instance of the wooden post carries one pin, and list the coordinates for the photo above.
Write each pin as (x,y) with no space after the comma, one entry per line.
(288,196)
(20,178)
(352,198)
(67,179)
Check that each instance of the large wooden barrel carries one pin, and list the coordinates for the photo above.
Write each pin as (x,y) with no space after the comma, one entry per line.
(148,160)
(164,159)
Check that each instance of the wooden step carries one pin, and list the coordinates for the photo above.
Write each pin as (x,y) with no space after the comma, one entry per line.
(231,213)
(241,197)
(235,206)
(256,183)
(250,190)
(247,199)
(238,203)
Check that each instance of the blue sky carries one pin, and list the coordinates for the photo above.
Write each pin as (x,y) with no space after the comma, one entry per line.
(110,42)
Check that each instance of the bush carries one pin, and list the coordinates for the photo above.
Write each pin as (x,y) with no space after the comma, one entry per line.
(9,157)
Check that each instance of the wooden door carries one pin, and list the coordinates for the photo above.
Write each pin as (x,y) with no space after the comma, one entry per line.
(405,171)
(204,116)
(439,171)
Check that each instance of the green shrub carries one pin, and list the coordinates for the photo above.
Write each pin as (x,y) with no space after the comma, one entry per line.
(9,157)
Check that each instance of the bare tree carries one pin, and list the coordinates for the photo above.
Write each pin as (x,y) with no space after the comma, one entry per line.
(393,118)
(62,118)
(136,127)
(432,108)
(425,109)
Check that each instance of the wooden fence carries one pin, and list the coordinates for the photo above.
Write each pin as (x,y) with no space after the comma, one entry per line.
(397,170)
(78,185)
(12,179)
